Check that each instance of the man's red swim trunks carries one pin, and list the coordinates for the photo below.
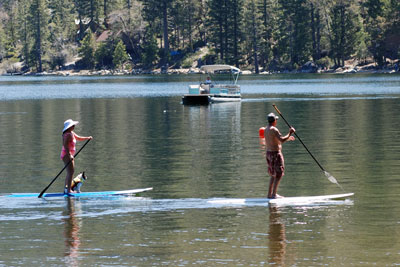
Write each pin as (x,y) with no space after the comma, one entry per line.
(276,163)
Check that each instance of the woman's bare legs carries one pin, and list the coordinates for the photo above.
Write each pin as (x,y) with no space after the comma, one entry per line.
(70,173)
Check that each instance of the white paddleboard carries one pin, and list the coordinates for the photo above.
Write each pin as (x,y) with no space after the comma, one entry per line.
(280,201)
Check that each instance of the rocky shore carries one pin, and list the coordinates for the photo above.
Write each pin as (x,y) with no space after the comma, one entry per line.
(369,68)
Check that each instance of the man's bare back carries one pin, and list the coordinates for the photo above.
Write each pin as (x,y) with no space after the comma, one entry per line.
(273,138)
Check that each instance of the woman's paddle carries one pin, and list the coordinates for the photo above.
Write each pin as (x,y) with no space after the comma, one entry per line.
(66,165)
(327,174)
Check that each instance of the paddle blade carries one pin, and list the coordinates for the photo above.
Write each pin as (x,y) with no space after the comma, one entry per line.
(332,179)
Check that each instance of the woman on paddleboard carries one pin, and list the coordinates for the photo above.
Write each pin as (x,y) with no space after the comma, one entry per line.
(275,161)
(69,138)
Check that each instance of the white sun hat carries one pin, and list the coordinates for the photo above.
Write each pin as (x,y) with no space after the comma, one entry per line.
(69,123)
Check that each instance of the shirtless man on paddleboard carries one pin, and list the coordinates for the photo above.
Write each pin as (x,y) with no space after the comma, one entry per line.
(274,156)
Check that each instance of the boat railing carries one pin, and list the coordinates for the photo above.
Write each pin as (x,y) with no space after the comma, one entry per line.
(225,89)
(228,86)
(204,88)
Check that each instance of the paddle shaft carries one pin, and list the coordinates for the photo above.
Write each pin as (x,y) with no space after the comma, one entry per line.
(298,137)
(66,165)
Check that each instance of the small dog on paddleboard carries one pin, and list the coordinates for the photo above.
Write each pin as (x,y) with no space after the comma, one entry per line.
(77,182)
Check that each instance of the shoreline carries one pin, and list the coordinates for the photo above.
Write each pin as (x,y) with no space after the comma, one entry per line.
(64,73)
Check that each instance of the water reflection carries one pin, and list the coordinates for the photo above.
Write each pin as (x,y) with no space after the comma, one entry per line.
(277,237)
(71,232)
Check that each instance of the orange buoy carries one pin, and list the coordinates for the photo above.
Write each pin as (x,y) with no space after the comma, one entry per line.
(261,132)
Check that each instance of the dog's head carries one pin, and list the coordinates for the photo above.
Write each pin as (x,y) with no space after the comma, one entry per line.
(82,176)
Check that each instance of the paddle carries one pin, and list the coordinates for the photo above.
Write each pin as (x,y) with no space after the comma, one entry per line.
(327,174)
(66,165)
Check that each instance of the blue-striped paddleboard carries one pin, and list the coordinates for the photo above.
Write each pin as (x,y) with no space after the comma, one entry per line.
(281,201)
(84,194)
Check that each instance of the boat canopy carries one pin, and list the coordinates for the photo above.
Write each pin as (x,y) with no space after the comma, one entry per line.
(213,68)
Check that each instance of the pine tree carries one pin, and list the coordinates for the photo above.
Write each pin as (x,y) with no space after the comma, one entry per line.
(382,25)
(294,42)
(345,31)
(10,27)
(2,44)
(38,20)
(267,27)
(156,12)
(120,56)
(87,50)
(253,32)
(216,27)
(316,28)
(61,23)
(104,54)
(150,50)
(88,12)
(225,24)
(23,32)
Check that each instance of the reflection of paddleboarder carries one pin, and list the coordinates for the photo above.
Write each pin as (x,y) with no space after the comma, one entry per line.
(277,237)
(276,163)
(71,233)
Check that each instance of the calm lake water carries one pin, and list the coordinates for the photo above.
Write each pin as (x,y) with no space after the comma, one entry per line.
(144,137)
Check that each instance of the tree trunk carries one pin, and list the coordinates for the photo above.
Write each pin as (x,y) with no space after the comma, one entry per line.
(91,10)
(221,41)
(129,5)
(190,25)
(38,38)
(342,34)
(165,30)
(105,14)
(235,34)
(225,33)
(313,33)
(265,47)
(255,47)
(81,31)
(318,35)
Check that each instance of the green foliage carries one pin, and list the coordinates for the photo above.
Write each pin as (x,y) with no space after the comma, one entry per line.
(274,34)
(120,56)
(295,38)
(253,40)
(57,60)
(324,62)
(226,31)
(150,51)
(86,51)
(2,44)
(104,55)
(38,32)
(346,38)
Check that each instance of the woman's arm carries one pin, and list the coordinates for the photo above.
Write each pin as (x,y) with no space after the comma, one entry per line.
(82,138)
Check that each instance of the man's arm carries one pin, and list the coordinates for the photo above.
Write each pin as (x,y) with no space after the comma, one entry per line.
(287,137)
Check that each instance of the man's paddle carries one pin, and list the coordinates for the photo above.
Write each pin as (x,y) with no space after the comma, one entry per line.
(327,174)
(66,165)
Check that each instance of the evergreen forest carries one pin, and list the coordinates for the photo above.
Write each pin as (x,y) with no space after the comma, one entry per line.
(259,35)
